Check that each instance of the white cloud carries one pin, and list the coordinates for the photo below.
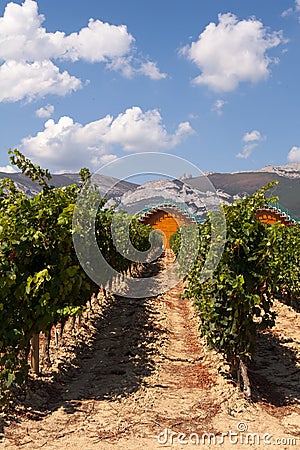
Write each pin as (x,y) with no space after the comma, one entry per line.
(251,141)
(98,42)
(7,169)
(45,112)
(67,145)
(218,106)
(294,154)
(20,79)
(291,11)
(232,52)
(23,38)
(129,67)
(151,70)
(124,65)
(252,136)
(247,150)
(26,45)
(137,131)
(287,12)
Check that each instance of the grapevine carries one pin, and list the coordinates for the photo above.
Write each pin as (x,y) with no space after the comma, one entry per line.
(41,280)
(258,261)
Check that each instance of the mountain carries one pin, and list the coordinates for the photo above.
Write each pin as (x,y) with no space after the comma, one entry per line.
(290,170)
(108,185)
(229,186)
(159,192)
(241,184)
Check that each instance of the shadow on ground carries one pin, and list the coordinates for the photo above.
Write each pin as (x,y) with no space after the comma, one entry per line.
(274,373)
(1,429)
(112,357)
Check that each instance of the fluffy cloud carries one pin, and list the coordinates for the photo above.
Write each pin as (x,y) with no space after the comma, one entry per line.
(25,44)
(20,79)
(45,112)
(218,106)
(287,12)
(138,131)
(7,169)
(67,145)
(129,67)
(290,11)
(23,38)
(252,136)
(251,141)
(294,154)
(151,70)
(232,52)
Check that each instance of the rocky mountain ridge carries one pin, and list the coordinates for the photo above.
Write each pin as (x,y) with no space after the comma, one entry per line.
(58,180)
(174,192)
(199,194)
(291,170)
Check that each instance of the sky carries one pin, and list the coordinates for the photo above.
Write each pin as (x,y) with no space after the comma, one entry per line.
(216,82)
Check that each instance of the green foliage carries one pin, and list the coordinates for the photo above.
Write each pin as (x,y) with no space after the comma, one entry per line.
(84,174)
(283,256)
(39,271)
(237,300)
(175,241)
(127,231)
(184,243)
(41,280)
(33,171)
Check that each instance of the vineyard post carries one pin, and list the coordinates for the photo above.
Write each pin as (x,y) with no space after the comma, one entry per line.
(35,353)
(245,378)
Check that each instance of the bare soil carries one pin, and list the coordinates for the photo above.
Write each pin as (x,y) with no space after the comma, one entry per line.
(135,371)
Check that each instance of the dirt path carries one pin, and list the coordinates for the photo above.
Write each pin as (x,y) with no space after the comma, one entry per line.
(137,369)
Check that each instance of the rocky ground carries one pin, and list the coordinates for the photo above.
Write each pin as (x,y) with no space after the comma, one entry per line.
(136,375)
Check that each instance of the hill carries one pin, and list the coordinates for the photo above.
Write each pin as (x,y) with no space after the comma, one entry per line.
(229,186)
(245,183)
(30,188)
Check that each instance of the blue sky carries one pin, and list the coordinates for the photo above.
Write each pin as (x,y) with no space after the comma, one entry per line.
(217,83)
